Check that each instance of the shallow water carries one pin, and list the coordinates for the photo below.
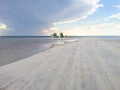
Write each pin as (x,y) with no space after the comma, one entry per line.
(16,48)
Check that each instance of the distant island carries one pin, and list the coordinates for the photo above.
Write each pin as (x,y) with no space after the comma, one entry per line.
(61,35)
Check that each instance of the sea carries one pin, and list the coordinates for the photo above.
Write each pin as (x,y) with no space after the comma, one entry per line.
(15,48)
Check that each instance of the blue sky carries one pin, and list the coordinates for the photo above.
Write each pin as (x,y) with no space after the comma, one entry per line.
(72,17)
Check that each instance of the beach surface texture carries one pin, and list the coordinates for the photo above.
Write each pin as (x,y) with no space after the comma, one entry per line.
(87,64)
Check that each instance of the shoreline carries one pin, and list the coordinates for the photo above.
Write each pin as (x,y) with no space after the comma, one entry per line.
(49,46)
(89,64)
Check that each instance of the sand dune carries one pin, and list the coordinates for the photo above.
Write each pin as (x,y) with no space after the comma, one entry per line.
(89,64)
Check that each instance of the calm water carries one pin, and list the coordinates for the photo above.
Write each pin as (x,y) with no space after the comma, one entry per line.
(16,48)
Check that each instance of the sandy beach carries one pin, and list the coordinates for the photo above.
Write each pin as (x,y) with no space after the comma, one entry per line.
(87,64)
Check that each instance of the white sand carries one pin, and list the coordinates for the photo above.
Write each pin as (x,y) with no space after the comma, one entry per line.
(89,64)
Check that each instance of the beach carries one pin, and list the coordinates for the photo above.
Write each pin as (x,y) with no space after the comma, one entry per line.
(14,48)
(85,64)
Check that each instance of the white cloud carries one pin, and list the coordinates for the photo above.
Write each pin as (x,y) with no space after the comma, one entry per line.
(116,16)
(3,26)
(105,26)
(93,30)
(117,6)
(49,31)
(78,9)
(3,29)
(34,16)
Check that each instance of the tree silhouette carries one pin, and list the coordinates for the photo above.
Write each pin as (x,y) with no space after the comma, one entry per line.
(61,35)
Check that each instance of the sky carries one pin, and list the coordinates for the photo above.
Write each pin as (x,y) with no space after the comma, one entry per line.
(72,17)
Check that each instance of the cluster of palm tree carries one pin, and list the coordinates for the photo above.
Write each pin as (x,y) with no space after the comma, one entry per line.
(61,35)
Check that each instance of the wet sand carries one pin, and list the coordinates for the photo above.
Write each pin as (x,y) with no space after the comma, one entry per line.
(88,64)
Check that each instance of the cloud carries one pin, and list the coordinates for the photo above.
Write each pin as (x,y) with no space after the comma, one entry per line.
(109,25)
(93,30)
(3,29)
(79,9)
(28,17)
(3,26)
(105,26)
(50,31)
(112,18)
(115,16)
(117,6)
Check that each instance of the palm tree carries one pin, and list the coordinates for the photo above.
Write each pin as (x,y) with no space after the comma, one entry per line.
(61,35)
